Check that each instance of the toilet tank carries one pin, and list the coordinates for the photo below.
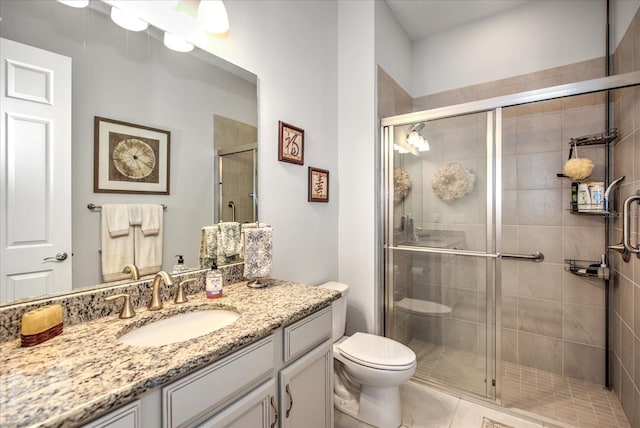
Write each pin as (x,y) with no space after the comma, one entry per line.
(338,308)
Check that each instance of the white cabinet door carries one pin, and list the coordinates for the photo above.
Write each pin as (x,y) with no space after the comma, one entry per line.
(306,390)
(257,409)
(125,417)
(35,172)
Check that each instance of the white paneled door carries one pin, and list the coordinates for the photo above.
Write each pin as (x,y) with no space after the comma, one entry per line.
(35,172)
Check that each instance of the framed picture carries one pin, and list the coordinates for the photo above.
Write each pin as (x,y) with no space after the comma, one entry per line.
(318,185)
(290,143)
(129,158)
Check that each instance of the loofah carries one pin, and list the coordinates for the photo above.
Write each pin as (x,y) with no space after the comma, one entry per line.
(578,168)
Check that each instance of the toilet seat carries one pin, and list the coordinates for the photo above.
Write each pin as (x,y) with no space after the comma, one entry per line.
(377,352)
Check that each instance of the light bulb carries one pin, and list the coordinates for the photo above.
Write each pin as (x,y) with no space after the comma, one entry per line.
(424,146)
(176,43)
(126,20)
(414,139)
(212,16)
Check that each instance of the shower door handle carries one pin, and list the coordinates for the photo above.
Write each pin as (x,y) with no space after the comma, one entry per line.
(626,224)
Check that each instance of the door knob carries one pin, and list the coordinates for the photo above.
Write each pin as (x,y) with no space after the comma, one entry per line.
(59,257)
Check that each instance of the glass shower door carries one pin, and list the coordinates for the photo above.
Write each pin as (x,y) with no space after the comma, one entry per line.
(440,247)
(238,177)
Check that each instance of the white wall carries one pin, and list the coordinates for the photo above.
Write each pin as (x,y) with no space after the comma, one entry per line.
(623,13)
(357,149)
(393,46)
(535,36)
(292,47)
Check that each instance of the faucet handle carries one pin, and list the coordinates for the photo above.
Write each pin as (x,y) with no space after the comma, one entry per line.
(127,308)
(180,296)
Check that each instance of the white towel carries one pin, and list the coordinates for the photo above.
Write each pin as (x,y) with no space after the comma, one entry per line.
(135,214)
(151,219)
(117,219)
(148,248)
(117,251)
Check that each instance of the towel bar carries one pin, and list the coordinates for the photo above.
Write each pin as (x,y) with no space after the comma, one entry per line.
(93,206)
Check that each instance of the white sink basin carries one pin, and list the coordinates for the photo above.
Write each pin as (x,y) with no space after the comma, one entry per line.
(179,328)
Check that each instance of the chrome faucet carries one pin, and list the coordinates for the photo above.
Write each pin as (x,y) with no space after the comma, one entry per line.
(156,302)
(133,270)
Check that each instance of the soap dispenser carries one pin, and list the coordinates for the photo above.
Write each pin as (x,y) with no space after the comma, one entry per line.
(179,267)
(213,281)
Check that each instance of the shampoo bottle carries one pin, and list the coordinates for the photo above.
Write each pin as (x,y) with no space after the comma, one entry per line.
(213,282)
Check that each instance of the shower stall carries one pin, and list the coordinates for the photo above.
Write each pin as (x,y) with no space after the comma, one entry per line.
(238,184)
(477,224)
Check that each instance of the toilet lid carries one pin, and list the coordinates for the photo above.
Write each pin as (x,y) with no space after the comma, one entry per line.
(377,352)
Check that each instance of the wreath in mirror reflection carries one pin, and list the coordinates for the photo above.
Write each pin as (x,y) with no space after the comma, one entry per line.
(401,184)
(453,181)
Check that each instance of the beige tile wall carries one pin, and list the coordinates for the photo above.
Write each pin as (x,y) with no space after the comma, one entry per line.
(551,319)
(625,288)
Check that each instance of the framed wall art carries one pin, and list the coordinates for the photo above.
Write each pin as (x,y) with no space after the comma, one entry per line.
(290,143)
(130,158)
(318,185)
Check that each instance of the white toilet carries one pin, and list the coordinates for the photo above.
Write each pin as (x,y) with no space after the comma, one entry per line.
(368,370)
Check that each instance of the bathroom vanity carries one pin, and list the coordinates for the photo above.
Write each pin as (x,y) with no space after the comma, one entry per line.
(271,367)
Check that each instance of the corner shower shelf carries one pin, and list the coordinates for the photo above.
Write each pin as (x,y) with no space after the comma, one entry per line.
(595,139)
(584,268)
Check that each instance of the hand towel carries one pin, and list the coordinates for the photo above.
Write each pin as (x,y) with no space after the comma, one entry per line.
(148,248)
(117,219)
(208,246)
(117,251)
(135,214)
(151,218)
(228,239)
(258,253)
(243,227)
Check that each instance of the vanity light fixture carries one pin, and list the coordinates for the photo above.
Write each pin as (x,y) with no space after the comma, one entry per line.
(416,140)
(176,43)
(212,16)
(127,21)
(75,3)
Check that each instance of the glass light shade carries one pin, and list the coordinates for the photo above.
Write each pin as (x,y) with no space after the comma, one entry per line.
(424,146)
(127,20)
(75,3)
(212,16)
(176,43)
(400,149)
(414,139)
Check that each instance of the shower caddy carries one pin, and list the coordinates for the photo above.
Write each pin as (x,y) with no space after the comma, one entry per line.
(591,268)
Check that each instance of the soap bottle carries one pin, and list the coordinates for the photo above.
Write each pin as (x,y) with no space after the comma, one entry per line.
(213,281)
(179,267)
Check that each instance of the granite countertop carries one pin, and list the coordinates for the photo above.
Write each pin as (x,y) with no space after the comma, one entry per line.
(85,372)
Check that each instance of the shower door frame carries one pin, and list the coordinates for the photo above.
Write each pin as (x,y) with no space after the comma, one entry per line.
(493,241)
(491,104)
(221,153)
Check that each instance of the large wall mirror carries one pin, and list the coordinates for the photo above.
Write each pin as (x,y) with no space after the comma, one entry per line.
(206,103)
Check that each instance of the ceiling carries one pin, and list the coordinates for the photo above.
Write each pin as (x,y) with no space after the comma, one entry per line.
(421,18)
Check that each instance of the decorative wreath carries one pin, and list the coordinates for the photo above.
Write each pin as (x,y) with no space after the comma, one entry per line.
(401,183)
(453,181)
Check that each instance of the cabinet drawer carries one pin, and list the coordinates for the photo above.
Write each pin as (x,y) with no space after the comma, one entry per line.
(307,333)
(125,417)
(198,395)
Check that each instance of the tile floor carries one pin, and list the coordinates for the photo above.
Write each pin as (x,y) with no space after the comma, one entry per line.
(544,399)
